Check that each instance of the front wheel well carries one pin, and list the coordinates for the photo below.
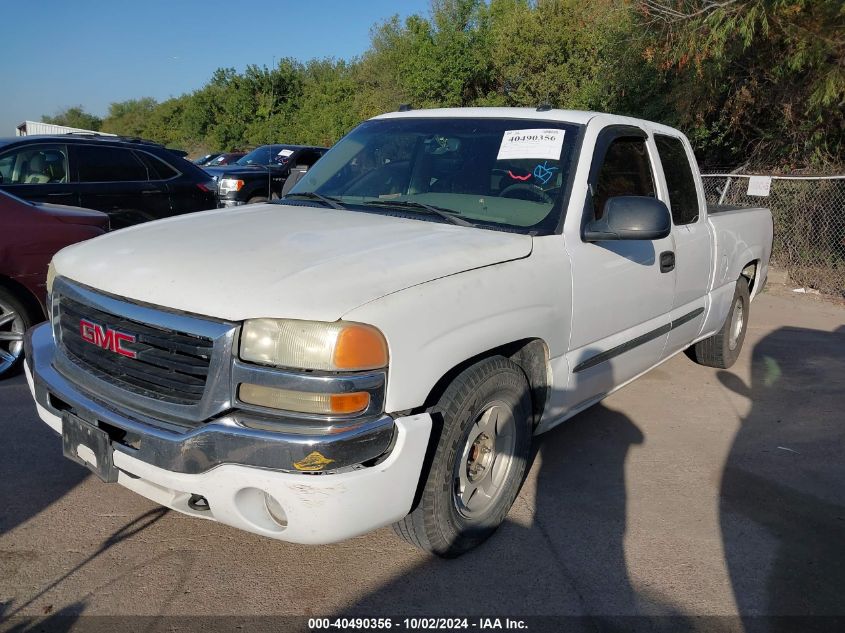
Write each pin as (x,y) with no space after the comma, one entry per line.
(531,355)
(22,294)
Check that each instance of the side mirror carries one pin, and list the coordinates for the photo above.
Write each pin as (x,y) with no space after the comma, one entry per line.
(630,218)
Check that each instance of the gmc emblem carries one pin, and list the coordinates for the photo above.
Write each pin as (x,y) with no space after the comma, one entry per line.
(106,338)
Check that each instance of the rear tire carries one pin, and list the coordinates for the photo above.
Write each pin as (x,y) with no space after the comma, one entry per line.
(479,460)
(722,349)
(15,319)
(256,200)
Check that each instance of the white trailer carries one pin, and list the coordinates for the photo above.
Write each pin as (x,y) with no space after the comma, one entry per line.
(29,128)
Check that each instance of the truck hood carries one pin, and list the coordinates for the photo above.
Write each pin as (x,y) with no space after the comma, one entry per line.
(281,261)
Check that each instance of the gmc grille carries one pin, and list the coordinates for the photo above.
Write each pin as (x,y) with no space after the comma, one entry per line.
(169,366)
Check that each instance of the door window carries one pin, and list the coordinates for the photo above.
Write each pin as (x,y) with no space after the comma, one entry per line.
(33,165)
(626,171)
(307,158)
(109,164)
(683,196)
(158,169)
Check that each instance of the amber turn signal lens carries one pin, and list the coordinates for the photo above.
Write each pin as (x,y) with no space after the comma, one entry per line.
(347,403)
(360,347)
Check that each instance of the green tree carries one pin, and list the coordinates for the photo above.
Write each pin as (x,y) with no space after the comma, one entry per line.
(325,109)
(758,81)
(129,118)
(75,116)
(563,52)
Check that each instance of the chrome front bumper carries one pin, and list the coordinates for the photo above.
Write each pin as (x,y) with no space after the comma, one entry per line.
(221,440)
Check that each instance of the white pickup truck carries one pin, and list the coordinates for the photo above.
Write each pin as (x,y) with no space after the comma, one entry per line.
(381,346)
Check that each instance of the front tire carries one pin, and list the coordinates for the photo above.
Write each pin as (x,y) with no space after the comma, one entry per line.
(479,461)
(722,349)
(15,319)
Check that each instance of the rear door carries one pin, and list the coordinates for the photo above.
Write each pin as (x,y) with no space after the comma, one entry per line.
(621,297)
(693,240)
(115,180)
(38,173)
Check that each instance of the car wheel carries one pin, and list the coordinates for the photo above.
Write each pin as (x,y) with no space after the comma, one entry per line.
(14,321)
(722,349)
(479,460)
(256,199)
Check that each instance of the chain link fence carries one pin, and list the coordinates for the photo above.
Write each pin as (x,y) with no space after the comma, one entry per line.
(809,216)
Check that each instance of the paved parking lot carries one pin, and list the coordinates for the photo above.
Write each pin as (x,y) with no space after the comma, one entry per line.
(690,492)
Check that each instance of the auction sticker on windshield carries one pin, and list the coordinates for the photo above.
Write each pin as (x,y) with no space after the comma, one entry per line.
(535,143)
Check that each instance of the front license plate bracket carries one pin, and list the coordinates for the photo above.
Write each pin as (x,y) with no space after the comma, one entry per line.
(88,445)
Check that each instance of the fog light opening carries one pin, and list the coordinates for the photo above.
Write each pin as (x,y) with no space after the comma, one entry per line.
(275,510)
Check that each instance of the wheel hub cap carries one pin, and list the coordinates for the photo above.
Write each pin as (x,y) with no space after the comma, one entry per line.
(480,457)
(485,461)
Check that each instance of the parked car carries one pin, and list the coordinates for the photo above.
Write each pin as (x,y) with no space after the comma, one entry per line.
(263,173)
(204,160)
(131,180)
(30,234)
(442,286)
(225,159)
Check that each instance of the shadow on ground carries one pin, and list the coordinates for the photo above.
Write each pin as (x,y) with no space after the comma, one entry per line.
(783,487)
(33,472)
(782,512)
(569,561)
(33,476)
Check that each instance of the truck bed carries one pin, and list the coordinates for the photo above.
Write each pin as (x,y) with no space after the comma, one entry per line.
(715,209)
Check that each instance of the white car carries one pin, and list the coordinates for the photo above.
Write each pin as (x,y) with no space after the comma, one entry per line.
(381,345)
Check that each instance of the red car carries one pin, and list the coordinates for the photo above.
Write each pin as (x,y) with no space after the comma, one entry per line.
(30,234)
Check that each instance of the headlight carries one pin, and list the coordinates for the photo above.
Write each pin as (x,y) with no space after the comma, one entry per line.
(51,277)
(338,346)
(230,184)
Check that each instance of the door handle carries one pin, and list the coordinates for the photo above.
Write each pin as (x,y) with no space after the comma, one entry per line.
(60,195)
(667,261)
(148,192)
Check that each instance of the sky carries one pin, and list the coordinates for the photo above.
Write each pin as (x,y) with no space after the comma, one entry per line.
(93,52)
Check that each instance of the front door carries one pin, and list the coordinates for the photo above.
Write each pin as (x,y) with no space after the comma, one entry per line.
(621,298)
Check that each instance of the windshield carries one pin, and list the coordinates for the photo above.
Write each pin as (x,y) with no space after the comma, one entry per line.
(494,173)
(266,155)
(259,156)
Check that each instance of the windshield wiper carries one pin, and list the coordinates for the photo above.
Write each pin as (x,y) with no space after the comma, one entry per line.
(420,207)
(334,203)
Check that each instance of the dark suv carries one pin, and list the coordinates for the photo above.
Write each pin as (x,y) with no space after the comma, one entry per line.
(130,179)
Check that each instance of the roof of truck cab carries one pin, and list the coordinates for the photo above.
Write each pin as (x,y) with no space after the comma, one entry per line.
(579,117)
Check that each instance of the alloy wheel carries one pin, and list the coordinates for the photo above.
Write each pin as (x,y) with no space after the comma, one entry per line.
(12,327)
